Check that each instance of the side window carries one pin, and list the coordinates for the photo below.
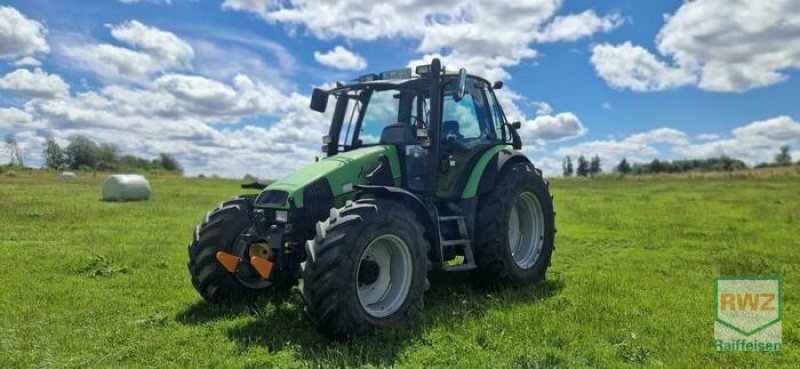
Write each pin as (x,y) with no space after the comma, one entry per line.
(467,118)
(382,110)
(352,109)
(498,121)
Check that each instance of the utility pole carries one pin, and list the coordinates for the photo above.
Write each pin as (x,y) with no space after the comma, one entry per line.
(14,151)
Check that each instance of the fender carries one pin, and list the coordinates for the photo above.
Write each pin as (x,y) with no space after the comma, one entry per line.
(426,216)
(500,161)
(484,174)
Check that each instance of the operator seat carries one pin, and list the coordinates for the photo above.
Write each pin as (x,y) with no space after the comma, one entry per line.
(397,134)
(450,128)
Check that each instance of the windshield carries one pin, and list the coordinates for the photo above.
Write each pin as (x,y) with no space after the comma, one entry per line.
(370,110)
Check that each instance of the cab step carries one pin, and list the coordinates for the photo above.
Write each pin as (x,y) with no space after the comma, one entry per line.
(469,259)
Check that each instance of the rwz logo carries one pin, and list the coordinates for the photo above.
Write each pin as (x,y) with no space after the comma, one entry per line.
(748,313)
(747,301)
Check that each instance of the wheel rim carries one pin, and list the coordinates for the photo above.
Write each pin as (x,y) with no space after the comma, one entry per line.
(383,291)
(526,230)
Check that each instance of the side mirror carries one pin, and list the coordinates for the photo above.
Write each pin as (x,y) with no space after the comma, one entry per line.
(461,89)
(516,141)
(497,85)
(319,100)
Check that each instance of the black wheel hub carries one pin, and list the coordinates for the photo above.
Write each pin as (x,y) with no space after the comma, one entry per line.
(368,272)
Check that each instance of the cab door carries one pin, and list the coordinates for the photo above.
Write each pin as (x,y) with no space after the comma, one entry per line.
(466,132)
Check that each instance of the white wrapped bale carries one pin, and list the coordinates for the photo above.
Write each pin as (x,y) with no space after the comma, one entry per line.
(68,175)
(125,187)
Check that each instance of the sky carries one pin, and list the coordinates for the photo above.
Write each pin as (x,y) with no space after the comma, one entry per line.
(224,85)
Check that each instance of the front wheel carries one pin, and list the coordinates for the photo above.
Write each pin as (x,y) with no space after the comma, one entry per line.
(516,228)
(220,231)
(366,268)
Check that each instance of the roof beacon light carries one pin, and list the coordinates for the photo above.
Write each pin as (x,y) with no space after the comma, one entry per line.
(404,73)
(367,77)
(423,69)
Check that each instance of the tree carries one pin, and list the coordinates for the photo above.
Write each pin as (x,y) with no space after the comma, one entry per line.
(583,167)
(783,158)
(54,157)
(107,156)
(624,167)
(128,162)
(656,166)
(168,163)
(594,166)
(81,153)
(567,167)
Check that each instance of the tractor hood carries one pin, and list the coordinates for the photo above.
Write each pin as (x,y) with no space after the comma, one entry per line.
(338,174)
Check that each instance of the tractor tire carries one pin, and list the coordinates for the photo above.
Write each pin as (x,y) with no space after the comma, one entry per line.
(220,231)
(366,267)
(515,228)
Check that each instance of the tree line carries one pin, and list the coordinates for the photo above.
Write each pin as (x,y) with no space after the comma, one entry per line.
(584,167)
(592,167)
(84,154)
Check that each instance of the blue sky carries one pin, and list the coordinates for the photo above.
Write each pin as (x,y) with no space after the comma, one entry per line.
(224,85)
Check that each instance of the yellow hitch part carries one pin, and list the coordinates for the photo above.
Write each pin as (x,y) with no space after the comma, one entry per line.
(262,266)
(227,260)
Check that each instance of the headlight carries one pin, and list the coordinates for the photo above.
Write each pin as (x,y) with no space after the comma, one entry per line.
(281,216)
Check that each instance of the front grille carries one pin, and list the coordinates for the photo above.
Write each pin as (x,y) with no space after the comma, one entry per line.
(272,197)
(318,199)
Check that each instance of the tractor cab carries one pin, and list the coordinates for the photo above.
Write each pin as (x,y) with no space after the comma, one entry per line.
(439,139)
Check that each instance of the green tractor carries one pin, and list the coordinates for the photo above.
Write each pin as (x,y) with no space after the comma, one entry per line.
(421,173)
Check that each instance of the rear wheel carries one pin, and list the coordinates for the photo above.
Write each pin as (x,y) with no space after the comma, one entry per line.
(516,228)
(366,268)
(220,231)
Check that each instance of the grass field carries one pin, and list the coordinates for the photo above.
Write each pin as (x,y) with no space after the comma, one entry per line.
(87,283)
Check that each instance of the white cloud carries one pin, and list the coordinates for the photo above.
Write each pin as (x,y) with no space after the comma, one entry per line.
(146,1)
(20,36)
(557,127)
(254,6)
(204,97)
(27,61)
(659,135)
(610,151)
(224,54)
(638,147)
(633,67)
(484,37)
(13,118)
(213,122)
(542,108)
(164,46)
(778,129)
(576,26)
(707,137)
(186,115)
(607,105)
(753,143)
(34,84)
(341,58)
(153,51)
(717,45)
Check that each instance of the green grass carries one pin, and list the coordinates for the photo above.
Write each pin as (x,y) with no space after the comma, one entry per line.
(87,283)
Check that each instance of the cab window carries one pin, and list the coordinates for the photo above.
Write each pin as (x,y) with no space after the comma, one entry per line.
(498,119)
(467,119)
(381,111)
